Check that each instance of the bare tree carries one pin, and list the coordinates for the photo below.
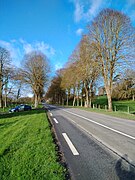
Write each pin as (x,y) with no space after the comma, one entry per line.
(4,65)
(7,76)
(88,70)
(70,79)
(124,86)
(65,84)
(81,72)
(55,93)
(18,83)
(35,73)
(113,40)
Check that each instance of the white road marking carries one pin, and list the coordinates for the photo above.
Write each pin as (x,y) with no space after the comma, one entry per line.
(70,144)
(55,120)
(51,114)
(114,130)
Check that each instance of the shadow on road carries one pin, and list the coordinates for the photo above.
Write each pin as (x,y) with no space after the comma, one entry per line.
(124,170)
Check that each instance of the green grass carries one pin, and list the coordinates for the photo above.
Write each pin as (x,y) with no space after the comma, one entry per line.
(4,110)
(121,108)
(123,105)
(27,151)
(102,100)
(119,114)
(119,105)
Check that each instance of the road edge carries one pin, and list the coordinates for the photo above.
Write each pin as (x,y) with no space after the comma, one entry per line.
(61,158)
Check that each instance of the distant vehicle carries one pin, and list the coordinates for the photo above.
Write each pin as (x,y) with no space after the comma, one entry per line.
(22,107)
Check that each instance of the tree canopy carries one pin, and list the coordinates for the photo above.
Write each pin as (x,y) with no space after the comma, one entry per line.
(35,73)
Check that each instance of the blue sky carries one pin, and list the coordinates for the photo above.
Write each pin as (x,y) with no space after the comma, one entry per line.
(51,26)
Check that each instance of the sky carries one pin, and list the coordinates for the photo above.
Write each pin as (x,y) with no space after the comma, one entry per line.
(51,26)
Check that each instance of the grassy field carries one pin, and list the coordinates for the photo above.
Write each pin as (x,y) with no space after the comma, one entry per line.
(27,151)
(123,106)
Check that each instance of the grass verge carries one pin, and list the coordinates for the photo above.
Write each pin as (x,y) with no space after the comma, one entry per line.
(123,105)
(114,114)
(27,150)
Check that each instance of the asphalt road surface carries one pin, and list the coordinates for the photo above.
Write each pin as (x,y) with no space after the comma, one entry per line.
(96,146)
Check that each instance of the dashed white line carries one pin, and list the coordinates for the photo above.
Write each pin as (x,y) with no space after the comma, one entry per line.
(51,114)
(55,120)
(114,130)
(70,144)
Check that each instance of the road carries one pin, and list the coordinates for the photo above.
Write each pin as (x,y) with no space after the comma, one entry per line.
(96,146)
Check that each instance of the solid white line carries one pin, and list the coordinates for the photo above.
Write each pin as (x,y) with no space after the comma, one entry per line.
(55,120)
(51,114)
(70,144)
(114,130)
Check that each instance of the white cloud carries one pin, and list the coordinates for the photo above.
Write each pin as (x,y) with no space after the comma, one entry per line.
(8,46)
(78,14)
(14,50)
(86,10)
(40,46)
(28,48)
(58,66)
(95,6)
(18,48)
(46,48)
(79,31)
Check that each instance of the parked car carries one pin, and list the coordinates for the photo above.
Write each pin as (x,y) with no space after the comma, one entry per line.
(22,107)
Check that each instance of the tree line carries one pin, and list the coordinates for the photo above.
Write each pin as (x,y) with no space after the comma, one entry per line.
(104,51)
(32,75)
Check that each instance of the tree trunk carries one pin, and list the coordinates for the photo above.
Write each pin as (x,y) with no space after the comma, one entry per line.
(109,97)
(90,94)
(85,104)
(5,103)
(59,100)
(62,101)
(36,100)
(87,97)
(67,97)
(82,96)
(74,97)
(81,102)
(18,94)
(77,102)
(78,98)
(109,102)
(74,101)
(0,96)
(90,103)
(0,101)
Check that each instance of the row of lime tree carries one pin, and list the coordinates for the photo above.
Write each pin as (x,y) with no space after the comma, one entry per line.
(103,58)
(30,77)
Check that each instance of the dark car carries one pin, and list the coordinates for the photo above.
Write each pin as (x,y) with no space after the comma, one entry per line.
(22,107)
